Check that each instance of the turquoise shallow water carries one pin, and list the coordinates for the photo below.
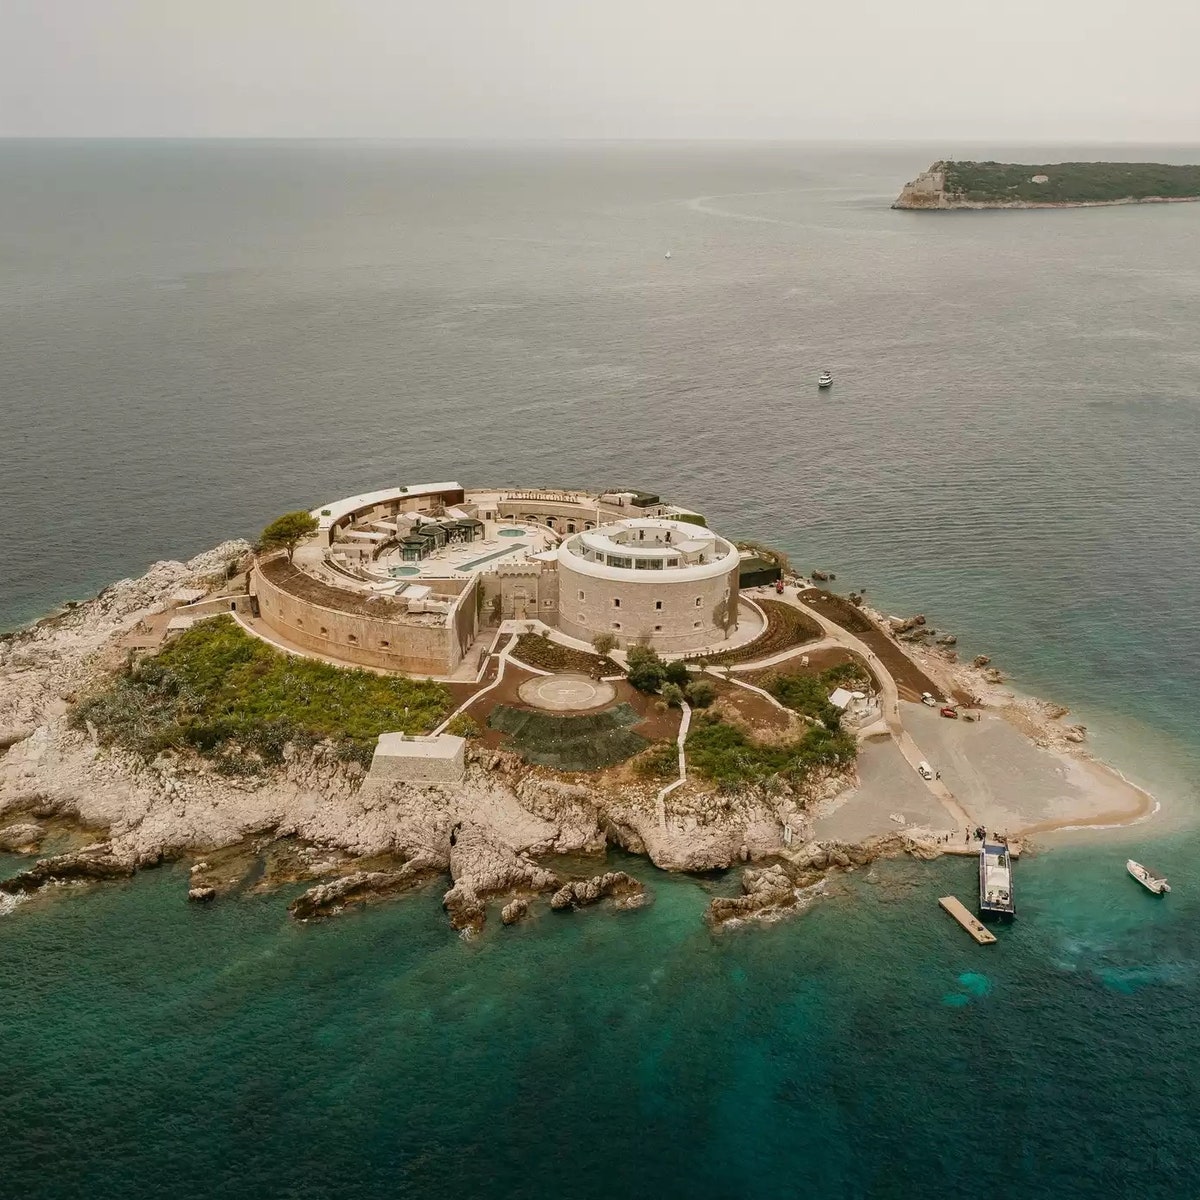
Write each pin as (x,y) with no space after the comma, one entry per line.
(868,1048)
(196,337)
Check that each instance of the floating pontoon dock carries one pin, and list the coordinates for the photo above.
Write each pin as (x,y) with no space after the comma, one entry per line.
(955,907)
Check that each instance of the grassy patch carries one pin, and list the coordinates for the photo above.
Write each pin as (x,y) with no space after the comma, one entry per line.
(723,754)
(537,651)
(586,743)
(223,693)
(809,694)
(787,626)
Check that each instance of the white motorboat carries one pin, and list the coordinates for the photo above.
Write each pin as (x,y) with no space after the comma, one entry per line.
(1148,879)
(824,380)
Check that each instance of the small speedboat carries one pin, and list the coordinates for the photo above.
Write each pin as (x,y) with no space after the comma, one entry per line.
(824,380)
(1148,879)
(667,255)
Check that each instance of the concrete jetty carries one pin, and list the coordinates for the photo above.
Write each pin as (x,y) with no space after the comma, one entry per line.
(955,907)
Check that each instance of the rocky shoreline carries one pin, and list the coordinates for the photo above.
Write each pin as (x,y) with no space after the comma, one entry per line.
(359,840)
(318,818)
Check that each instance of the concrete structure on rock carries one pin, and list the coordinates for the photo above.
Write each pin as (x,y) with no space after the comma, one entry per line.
(410,578)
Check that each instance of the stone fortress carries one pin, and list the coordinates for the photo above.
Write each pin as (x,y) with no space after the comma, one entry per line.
(410,578)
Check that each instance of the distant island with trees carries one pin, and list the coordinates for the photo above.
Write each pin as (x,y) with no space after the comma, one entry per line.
(953,185)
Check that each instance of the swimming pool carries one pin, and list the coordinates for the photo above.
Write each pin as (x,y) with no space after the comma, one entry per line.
(511,532)
(401,572)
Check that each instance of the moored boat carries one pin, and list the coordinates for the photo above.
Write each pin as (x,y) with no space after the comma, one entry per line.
(1150,880)
(824,380)
(995,883)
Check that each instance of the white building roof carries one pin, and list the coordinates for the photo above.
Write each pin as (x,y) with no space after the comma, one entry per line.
(840,698)
(434,745)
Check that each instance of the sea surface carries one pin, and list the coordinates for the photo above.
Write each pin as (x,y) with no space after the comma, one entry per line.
(195,337)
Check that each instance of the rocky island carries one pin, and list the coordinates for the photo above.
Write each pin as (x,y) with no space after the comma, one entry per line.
(975,185)
(429,682)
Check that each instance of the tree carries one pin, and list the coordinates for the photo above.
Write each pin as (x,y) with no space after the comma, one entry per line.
(700,693)
(603,644)
(644,668)
(288,531)
(672,694)
(676,672)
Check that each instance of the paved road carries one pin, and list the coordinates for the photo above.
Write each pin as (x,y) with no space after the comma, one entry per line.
(890,696)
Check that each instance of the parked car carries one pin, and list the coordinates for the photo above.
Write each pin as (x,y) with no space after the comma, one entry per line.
(924,770)
(928,698)
(948,710)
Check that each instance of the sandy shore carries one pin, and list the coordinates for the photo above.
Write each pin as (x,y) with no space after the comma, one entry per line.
(1003,779)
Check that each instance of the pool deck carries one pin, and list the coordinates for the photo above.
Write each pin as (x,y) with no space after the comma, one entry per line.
(468,558)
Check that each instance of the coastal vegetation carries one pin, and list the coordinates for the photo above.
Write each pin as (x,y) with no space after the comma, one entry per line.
(1069,183)
(548,655)
(787,626)
(287,532)
(725,755)
(231,697)
(809,694)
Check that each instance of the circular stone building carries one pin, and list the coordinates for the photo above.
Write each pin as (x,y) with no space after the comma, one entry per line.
(417,578)
(671,584)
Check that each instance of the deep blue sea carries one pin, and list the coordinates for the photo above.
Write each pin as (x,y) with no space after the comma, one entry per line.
(197,336)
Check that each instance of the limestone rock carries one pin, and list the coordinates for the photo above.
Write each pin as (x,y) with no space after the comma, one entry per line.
(202,894)
(359,887)
(1075,733)
(980,660)
(22,838)
(578,893)
(514,910)
(90,864)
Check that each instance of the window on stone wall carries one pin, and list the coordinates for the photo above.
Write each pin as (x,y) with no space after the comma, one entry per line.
(581,596)
(658,629)
(616,602)
(699,601)
(324,630)
(351,638)
(695,624)
(300,622)
(384,643)
(616,624)
(658,605)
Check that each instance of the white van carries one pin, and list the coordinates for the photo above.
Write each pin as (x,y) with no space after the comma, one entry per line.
(924,770)
(929,700)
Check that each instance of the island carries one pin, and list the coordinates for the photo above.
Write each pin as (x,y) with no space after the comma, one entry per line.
(976,185)
(432,682)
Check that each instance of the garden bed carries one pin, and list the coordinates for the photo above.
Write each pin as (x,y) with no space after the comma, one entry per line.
(787,626)
(541,652)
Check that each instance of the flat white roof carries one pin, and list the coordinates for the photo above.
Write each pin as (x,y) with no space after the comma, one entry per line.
(435,745)
(840,698)
(337,509)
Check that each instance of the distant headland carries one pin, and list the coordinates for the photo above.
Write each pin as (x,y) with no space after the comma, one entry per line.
(952,185)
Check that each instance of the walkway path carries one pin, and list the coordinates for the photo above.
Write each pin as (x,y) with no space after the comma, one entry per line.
(890,695)
(681,741)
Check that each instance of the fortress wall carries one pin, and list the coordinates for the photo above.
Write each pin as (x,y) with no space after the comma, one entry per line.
(695,613)
(357,639)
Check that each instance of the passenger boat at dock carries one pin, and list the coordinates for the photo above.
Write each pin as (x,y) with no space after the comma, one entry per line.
(995,883)
(1151,881)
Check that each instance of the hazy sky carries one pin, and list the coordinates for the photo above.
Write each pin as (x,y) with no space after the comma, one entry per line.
(988,69)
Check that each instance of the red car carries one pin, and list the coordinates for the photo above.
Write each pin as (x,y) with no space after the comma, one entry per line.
(947,711)
(779,586)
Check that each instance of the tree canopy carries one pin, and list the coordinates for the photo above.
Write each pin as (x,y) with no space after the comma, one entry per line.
(288,532)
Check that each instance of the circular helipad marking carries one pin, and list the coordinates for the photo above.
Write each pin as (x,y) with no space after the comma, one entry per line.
(566,693)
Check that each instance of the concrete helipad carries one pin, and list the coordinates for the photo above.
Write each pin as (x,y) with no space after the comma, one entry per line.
(566,693)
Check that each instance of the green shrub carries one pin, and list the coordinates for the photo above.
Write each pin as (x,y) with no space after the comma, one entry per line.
(463,726)
(676,672)
(644,668)
(722,753)
(661,761)
(672,693)
(221,692)
(700,693)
